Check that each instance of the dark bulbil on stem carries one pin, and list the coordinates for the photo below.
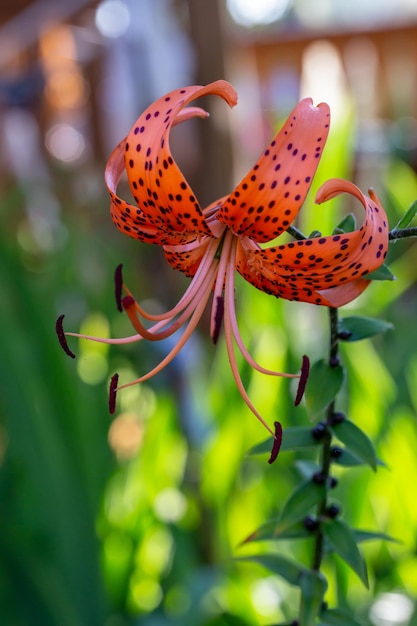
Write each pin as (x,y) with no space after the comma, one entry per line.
(328,451)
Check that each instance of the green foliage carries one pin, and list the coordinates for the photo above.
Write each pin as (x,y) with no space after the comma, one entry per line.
(356,327)
(343,542)
(323,385)
(356,442)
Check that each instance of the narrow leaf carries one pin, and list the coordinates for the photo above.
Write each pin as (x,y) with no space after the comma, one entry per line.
(293,438)
(313,586)
(279,565)
(275,529)
(382,273)
(298,438)
(301,500)
(348,459)
(355,328)
(346,225)
(343,542)
(369,535)
(407,218)
(357,442)
(322,387)
(337,617)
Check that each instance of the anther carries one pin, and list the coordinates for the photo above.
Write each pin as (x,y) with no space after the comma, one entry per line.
(113,392)
(61,336)
(305,370)
(118,284)
(218,318)
(276,446)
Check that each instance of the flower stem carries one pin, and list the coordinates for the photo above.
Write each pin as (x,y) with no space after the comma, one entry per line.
(402,233)
(326,442)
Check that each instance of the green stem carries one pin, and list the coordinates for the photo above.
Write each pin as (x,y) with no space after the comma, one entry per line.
(327,442)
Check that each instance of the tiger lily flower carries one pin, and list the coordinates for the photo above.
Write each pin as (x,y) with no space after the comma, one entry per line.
(209,244)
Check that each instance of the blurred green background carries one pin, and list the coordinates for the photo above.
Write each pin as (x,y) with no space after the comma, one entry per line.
(135,519)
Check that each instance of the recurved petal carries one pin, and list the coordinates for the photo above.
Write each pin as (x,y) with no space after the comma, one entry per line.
(157,183)
(130,219)
(268,199)
(187,258)
(329,270)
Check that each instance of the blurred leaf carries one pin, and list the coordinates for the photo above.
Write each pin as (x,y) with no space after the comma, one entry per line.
(323,384)
(279,565)
(337,617)
(346,225)
(356,327)
(357,442)
(349,459)
(407,218)
(313,586)
(382,273)
(275,529)
(369,535)
(293,438)
(299,503)
(343,541)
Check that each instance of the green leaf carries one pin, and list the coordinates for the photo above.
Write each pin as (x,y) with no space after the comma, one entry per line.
(323,384)
(279,565)
(382,273)
(298,438)
(275,529)
(313,586)
(346,225)
(343,541)
(301,500)
(293,438)
(369,535)
(337,617)
(348,459)
(357,327)
(407,218)
(357,442)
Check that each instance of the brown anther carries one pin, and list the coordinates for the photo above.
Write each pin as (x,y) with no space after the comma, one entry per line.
(218,318)
(305,370)
(113,393)
(59,328)
(118,285)
(276,446)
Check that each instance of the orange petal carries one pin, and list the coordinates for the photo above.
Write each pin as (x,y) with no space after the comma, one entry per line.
(187,258)
(325,270)
(268,199)
(165,199)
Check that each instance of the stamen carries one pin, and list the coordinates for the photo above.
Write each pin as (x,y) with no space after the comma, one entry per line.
(61,336)
(113,393)
(218,318)
(118,285)
(276,446)
(305,370)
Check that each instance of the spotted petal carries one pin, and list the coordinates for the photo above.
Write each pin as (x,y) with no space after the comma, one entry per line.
(167,204)
(326,270)
(268,199)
